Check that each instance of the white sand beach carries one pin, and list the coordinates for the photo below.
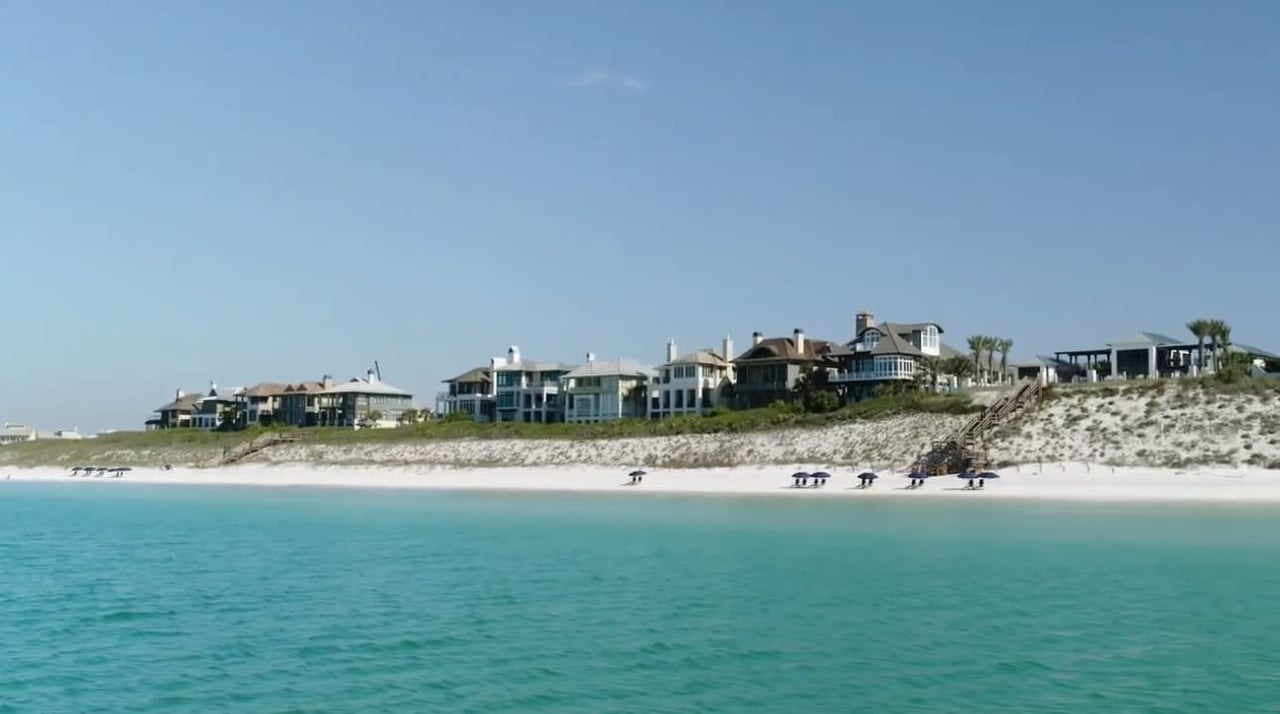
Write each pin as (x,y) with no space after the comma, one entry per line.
(1064,482)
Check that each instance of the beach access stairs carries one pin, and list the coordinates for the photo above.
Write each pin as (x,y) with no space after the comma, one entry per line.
(966,445)
(239,452)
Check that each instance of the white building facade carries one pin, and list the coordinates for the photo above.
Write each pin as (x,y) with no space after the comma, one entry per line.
(692,384)
(605,390)
(528,391)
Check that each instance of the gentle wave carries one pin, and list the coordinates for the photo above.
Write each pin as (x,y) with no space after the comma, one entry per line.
(265,602)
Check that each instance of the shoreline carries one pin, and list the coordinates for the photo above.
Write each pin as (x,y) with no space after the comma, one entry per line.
(1053,482)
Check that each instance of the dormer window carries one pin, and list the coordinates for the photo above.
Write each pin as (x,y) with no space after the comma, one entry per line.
(929,339)
(870,339)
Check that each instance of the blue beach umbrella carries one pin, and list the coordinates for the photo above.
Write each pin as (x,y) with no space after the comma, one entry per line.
(868,476)
(918,475)
(821,474)
(988,474)
(635,473)
(800,474)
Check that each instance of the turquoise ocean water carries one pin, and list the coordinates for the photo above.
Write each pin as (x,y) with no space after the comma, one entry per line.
(121,598)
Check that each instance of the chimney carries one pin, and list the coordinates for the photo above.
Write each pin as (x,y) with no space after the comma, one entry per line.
(513,355)
(671,350)
(213,387)
(862,321)
(372,377)
(756,338)
(326,381)
(798,335)
(179,394)
(591,357)
(727,347)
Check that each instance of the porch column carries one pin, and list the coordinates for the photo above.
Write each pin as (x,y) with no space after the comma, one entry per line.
(1115,366)
(1151,363)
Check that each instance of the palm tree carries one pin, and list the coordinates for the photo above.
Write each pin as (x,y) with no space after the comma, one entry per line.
(976,344)
(931,368)
(1220,335)
(809,383)
(638,395)
(1006,346)
(958,366)
(1200,327)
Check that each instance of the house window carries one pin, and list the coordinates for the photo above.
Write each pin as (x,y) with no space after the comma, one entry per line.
(507,400)
(508,379)
(870,339)
(929,339)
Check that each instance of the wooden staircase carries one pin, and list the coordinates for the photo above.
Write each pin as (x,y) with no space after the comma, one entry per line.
(965,445)
(232,454)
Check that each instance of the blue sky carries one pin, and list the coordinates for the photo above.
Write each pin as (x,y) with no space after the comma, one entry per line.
(248,191)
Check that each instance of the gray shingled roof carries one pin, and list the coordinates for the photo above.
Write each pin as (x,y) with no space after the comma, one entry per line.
(478,374)
(611,368)
(705,356)
(1253,351)
(187,403)
(784,349)
(367,385)
(525,365)
(1149,338)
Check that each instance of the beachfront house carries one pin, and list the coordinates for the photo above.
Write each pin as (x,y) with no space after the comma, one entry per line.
(220,405)
(692,384)
(178,413)
(299,403)
(888,353)
(605,390)
(1147,355)
(472,393)
(16,433)
(363,402)
(769,370)
(528,390)
(263,403)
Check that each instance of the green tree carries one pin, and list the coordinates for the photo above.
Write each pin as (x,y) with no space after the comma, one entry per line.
(931,367)
(977,343)
(1005,345)
(958,366)
(231,417)
(638,398)
(1201,329)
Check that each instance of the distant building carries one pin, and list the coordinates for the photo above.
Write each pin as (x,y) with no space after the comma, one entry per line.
(212,409)
(299,405)
(692,384)
(178,413)
(363,402)
(605,390)
(888,352)
(472,393)
(15,433)
(528,390)
(771,367)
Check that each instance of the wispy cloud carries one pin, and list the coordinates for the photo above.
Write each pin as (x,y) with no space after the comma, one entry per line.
(606,79)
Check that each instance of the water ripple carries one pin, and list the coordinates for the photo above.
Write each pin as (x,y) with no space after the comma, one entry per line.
(221,600)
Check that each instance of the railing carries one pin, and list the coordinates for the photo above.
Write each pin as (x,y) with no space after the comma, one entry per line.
(243,450)
(961,446)
(846,376)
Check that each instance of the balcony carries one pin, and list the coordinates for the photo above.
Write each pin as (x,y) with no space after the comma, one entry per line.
(846,377)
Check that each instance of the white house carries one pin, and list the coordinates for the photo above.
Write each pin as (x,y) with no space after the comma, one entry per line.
(605,390)
(528,390)
(691,384)
(14,433)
